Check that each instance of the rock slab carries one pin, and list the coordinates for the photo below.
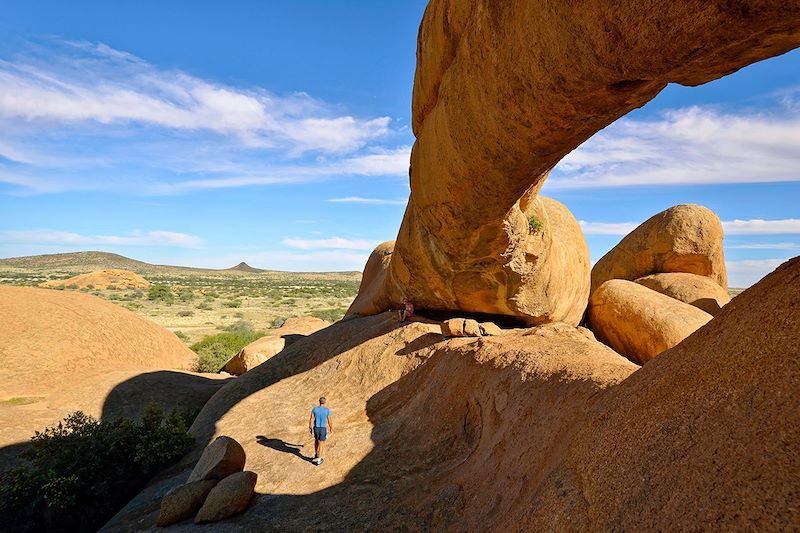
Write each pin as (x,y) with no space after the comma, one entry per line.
(230,496)
(641,323)
(699,291)
(223,457)
(184,501)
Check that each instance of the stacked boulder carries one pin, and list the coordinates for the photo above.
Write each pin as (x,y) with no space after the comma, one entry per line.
(216,489)
(661,283)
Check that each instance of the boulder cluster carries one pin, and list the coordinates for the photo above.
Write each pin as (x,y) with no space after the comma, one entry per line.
(217,488)
(660,284)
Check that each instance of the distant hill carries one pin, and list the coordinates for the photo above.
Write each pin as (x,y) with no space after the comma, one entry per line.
(244,267)
(81,262)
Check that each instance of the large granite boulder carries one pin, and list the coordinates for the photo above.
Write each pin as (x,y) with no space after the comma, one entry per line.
(223,457)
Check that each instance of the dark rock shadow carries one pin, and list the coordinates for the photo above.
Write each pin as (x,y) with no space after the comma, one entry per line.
(168,389)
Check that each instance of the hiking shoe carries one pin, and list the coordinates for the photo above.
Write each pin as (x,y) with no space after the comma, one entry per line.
(320,461)
(316,460)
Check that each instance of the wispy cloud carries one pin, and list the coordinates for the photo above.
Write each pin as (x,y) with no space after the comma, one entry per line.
(370,201)
(73,114)
(336,243)
(138,238)
(730,227)
(94,83)
(695,145)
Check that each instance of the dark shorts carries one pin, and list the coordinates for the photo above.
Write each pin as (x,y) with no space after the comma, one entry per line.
(320,433)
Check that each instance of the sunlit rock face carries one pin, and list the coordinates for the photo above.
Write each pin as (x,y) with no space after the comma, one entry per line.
(502,92)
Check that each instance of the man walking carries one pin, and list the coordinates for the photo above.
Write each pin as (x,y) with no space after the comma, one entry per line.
(319,423)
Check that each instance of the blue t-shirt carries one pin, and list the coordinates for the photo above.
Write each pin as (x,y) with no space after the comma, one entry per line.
(321,414)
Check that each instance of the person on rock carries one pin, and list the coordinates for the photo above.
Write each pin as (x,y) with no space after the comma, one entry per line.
(407,311)
(320,425)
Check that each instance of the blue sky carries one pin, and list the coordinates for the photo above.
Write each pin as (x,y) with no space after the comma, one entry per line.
(204,134)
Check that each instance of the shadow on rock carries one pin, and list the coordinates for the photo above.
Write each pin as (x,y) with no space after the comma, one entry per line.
(281,446)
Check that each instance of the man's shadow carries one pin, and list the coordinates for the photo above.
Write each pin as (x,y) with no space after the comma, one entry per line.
(281,446)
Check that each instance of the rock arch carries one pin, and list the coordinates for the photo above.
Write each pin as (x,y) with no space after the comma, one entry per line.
(502,92)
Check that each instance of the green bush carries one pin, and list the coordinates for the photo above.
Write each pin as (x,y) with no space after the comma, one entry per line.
(534,224)
(240,326)
(186,294)
(186,313)
(160,292)
(232,303)
(72,286)
(204,306)
(215,350)
(331,315)
(182,336)
(80,472)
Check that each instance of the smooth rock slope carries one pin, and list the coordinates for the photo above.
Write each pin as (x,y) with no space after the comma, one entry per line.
(62,351)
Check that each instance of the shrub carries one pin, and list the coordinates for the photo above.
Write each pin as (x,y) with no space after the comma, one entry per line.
(182,336)
(534,224)
(240,326)
(112,288)
(186,294)
(215,350)
(186,313)
(204,306)
(331,315)
(160,292)
(80,472)
(278,322)
(232,303)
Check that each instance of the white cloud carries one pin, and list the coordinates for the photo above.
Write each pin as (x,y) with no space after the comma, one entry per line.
(149,238)
(336,243)
(96,84)
(754,226)
(746,272)
(761,227)
(607,228)
(371,201)
(687,146)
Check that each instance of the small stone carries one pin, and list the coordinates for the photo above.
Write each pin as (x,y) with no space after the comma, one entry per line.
(490,329)
(453,327)
(472,328)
